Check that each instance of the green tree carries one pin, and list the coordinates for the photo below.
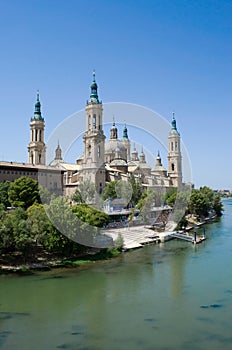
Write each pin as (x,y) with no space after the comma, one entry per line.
(4,188)
(38,222)
(110,191)
(87,191)
(15,232)
(119,242)
(204,200)
(23,192)
(217,205)
(146,203)
(91,215)
(65,228)
(136,190)
(170,196)
(45,195)
(77,197)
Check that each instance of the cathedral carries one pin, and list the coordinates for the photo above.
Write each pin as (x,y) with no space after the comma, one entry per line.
(103,159)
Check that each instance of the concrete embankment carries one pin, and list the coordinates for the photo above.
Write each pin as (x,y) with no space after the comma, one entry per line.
(137,236)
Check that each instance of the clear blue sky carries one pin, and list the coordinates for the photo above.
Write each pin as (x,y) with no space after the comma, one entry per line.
(163,54)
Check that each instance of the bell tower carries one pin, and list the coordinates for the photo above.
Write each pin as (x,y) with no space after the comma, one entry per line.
(37,147)
(174,155)
(126,142)
(94,141)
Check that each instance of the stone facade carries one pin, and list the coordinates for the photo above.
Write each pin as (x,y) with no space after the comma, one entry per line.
(102,161)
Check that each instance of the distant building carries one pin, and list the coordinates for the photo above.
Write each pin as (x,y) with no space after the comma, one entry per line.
(101,162)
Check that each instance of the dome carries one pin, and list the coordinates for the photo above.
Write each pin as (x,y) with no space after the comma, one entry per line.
(118,162)
(144,165)
(114,145)
(94,85)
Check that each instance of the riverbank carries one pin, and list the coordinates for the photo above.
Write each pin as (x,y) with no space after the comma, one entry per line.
(133,238)
(43,261)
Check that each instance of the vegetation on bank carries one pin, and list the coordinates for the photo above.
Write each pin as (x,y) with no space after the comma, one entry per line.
(26,232)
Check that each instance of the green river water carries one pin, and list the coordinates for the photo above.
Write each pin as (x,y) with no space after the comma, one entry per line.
(167,296)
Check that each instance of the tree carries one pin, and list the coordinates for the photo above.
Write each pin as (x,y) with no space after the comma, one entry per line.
(119,190)
(204,200)
(87,191)
(110,191)
(15,232)
(23,192)
(45,195)
(65,228)
(136,190)
(170,196)
(4,188)
(77,197)
(146,203)
(91,215)
(217,205)
(38,222)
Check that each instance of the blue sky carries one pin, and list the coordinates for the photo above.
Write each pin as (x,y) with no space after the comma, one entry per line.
(163,54)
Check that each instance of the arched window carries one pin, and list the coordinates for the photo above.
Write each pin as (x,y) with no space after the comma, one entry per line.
(100,188)
(98,151)
(89,150)
(94,121)
(176,146)
(172,146)
(173,166)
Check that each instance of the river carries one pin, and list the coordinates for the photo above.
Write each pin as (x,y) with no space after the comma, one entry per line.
(166,296)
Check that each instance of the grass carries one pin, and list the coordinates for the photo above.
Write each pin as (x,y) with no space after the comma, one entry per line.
(104,254)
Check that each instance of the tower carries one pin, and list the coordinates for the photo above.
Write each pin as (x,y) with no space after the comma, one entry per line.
(37,147)
(94,141)
(58,152)
(174,155)
(114,131)
(134,154)
(126,142)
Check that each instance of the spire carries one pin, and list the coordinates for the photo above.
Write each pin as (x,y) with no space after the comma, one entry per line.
(125,134)
(134,154)
(113,131)
(174,129)
(142,156)
(94,95)
(58,152)
(37,112)
(158,159)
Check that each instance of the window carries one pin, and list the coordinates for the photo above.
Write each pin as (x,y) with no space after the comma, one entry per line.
(98,151)
(176,146)
(94,121)
(100,188)
(173,167)
(172,146)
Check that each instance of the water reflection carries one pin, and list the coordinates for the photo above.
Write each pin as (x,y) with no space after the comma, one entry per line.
(129,302)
